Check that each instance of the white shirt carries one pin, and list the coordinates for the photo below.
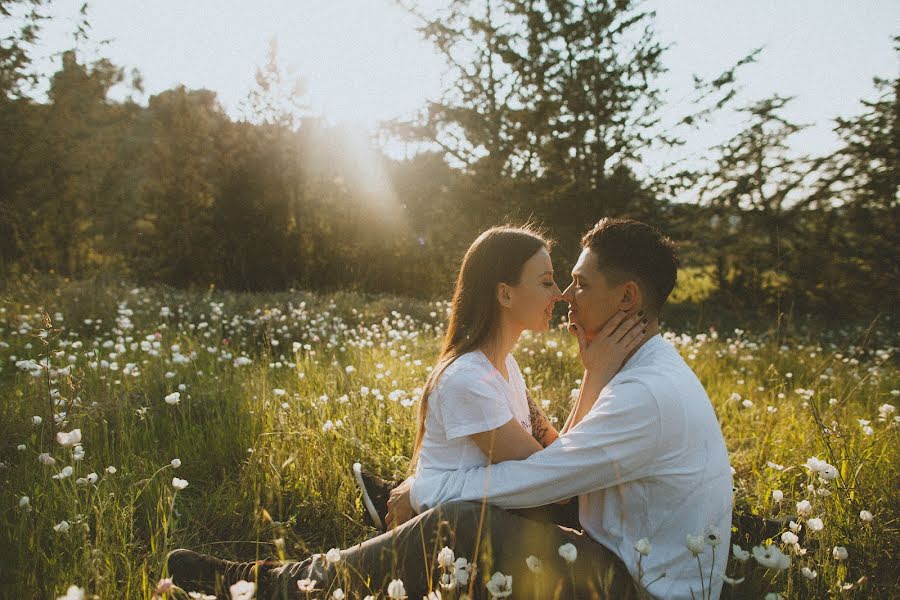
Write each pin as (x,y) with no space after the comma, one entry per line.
(471,396)
(647,461)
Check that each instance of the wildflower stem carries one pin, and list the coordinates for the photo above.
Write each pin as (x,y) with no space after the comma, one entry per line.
(702,583)
(711,569)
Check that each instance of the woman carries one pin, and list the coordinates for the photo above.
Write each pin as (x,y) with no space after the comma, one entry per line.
(475,407)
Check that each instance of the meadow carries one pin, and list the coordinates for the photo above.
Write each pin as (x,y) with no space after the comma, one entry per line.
(227,423)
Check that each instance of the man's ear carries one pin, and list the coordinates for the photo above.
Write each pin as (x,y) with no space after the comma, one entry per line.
(504,295)
(631,296)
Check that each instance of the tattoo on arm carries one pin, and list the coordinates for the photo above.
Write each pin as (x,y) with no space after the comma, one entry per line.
(540,424)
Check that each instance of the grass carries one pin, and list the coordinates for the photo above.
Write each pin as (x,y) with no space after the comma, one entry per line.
(269,476)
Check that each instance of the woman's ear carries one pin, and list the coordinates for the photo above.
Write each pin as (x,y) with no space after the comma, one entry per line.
(504,295)
(631,296)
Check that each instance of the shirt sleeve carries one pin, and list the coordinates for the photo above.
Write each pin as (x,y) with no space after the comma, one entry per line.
(615,443)
(469,402)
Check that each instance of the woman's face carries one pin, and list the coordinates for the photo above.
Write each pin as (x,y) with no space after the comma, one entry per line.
(531,301)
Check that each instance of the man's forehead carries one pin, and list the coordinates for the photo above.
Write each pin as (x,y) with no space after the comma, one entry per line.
(586,263)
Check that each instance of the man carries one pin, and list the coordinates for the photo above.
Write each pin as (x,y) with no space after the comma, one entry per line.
(644,454)
(647,459)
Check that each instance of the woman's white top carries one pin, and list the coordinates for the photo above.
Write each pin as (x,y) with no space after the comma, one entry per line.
(471,396)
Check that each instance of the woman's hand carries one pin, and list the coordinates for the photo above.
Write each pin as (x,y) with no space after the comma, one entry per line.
(603,356)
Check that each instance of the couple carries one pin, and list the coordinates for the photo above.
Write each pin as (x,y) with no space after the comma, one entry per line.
(642,448)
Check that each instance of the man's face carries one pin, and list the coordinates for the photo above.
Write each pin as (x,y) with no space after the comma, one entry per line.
(591,300)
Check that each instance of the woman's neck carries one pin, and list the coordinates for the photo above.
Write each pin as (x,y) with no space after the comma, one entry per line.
(500,344)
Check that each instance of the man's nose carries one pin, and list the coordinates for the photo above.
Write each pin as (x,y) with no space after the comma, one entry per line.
(569,294)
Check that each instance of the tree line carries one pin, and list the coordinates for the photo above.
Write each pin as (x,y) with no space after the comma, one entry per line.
(550,105)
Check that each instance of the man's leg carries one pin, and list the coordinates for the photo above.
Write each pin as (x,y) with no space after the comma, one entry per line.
(501,541)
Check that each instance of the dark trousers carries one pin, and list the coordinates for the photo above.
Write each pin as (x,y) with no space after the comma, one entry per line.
(492,538)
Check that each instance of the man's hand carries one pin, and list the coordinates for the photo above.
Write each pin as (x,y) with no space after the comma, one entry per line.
(400,509)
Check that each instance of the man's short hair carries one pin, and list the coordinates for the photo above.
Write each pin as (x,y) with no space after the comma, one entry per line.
(628,249)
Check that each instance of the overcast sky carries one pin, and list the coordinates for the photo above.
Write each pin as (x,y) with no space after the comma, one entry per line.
(363,61)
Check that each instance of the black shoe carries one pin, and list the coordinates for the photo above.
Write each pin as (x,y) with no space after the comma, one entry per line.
(197,572)
(375,494)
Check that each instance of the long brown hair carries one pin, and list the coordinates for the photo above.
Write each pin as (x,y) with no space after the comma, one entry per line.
(496,256)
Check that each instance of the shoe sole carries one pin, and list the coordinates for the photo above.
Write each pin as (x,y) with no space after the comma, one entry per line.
(367,501)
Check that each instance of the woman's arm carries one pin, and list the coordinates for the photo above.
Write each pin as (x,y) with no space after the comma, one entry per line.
(510,441)
(541,428)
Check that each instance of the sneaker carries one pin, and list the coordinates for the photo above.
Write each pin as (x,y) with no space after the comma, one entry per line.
(375,494)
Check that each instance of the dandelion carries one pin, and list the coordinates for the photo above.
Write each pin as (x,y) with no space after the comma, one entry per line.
(866,516)
(771,557)
(338,594)
(774,595)
(815,524)
(21,447)
(179,484)
(435,595)
(328,426)
(534,564)
(794,526)
(305,586)
(278,392)
(643,546)
(25,502)
(808,573)
(73,593)
(69,439)
(777,495)
(46,459)
(111,470)
(739,553)
(500,585)
(243,590)
(36,420)
(804,508)
(173,398)
(839,553)
(445,558)
(333,556)
(395,590)
(731,581)
(694,543)
(200,596)
(176,462)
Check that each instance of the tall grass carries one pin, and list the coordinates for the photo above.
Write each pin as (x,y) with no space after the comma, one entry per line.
(266,447)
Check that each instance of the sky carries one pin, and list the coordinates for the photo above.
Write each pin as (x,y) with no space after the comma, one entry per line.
(362,60)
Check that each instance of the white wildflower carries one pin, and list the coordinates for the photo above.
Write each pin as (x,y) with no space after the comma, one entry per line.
(569,552)
(500,585)
(694,543)
(771,557)
(395,590)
